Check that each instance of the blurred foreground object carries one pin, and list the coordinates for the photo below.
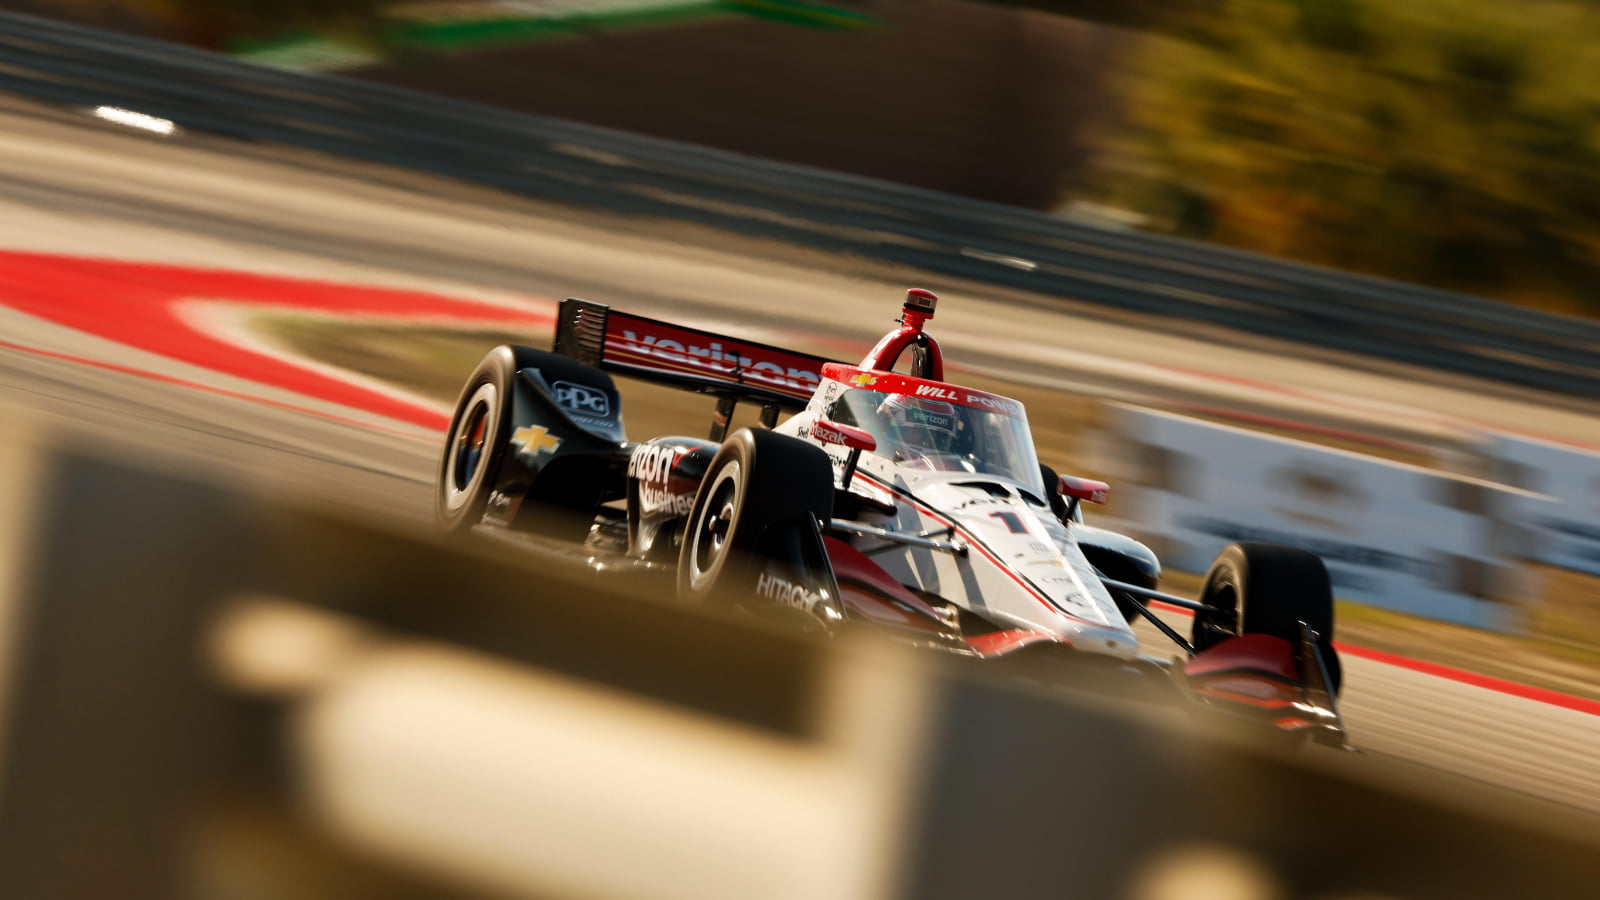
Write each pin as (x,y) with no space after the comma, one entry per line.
(212,695)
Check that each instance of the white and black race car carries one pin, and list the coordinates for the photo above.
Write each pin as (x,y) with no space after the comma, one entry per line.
(889,499)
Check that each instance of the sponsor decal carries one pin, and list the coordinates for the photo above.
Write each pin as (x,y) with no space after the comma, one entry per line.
(1057,581)
(668,348)
(501,509)
(825,434)
(787,593)
(971,398)
(910,386)
(840,435)
(658,500)
(654,462)
(582,400)
(983,501)
(651,466)
(535,439)
(938,421)
(864,379)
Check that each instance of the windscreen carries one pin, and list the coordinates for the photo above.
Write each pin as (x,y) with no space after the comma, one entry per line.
(933,434)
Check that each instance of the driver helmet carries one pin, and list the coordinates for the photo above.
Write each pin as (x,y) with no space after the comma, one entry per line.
(920,425)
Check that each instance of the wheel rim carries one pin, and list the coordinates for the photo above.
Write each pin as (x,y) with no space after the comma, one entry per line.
(1224,619)
(714,528)
(469,446)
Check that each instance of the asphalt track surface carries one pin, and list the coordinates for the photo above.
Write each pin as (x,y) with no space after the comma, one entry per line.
(70,186)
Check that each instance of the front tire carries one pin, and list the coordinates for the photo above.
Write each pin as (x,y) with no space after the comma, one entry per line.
(758,481)
(1257,588)
(475,443)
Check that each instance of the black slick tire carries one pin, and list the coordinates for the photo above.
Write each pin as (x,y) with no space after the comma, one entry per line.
(1258,588)
(475,443)
(759,480)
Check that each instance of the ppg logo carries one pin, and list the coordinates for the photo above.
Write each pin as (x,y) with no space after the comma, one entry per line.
(580,399)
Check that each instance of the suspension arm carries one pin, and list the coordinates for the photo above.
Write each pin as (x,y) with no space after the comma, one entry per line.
(957,546)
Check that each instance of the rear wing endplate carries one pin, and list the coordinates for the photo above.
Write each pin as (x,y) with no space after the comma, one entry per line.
(697,360)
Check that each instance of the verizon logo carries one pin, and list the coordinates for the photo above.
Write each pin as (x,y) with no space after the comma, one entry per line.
(715,357)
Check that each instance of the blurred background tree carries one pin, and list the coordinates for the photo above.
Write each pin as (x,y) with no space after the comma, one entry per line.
(1453,142)
(212,23)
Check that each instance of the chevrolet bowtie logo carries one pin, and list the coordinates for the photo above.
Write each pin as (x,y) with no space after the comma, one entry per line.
(863,379)
(535,439)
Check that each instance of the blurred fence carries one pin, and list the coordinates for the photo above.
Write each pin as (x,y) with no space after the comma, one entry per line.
(571,163)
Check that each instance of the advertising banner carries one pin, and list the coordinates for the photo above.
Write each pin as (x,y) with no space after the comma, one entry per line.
(1393,536)
(1562,510)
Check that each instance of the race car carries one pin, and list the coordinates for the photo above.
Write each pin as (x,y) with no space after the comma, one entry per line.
(888,498)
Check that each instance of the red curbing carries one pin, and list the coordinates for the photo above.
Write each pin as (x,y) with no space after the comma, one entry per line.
(221,392)
(151,306)
(1526,692)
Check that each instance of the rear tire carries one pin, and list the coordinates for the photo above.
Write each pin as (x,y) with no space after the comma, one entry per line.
(1259,588)
(757,481)
(475,443)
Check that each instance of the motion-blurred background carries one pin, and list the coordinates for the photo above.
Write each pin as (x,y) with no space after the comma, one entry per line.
(1447,142)
(1310,271)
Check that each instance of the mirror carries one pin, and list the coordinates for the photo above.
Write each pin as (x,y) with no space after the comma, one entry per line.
(1083,488)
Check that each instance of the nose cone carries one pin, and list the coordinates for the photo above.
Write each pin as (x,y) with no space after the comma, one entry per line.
(1115,642)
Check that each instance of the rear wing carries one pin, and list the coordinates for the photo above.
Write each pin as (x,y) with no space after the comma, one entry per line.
(654,350)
